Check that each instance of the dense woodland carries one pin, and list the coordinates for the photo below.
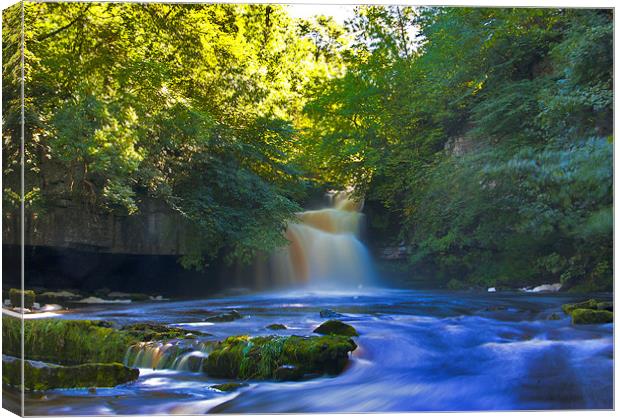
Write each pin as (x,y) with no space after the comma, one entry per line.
(481,139)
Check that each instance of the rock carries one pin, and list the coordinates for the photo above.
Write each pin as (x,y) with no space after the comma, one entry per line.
(225,317)
(491,290)
(334,327)
(57,297)
(92,390)
(287,372)
(242,357)
(15,296)
(588,304)
(591,316)
(43,376)
(150,331)
(228,387)
(276,326)
(66,342)
(51,308)
(131,296)
(605,306)
(328,313)
(95,300)
(554,317)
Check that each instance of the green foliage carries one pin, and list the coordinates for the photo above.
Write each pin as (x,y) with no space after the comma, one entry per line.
(482,144)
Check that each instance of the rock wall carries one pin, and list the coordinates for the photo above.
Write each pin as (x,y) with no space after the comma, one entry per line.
(154,230)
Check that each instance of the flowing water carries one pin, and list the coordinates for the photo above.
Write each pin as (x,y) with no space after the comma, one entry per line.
(418,351)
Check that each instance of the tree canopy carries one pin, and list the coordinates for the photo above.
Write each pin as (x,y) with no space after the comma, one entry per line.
(480,137)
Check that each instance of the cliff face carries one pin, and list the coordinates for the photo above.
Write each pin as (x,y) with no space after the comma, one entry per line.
(154,230)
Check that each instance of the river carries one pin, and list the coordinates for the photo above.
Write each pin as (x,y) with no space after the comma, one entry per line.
(419,350)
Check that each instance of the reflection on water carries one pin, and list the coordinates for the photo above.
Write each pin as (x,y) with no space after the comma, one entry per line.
(418,351)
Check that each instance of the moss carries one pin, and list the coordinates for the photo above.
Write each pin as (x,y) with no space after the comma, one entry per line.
(334,327)
(15,295)
(591,316)
(225,317)
(228,387)
(65,341)
(588,304)
(455,285)
(276,326)
(260,357)
(605,306)
(148,331)
(47,376)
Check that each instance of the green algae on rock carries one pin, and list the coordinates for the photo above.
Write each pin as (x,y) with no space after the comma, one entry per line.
(149,331)
(588,304)
(43,376)
(335,327)
(15,296)
(591,316)
(65,342)
(242,357)
(228,387)
(276,326)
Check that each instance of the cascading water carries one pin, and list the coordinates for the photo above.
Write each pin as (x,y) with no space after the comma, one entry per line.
(171,355)
(325,249)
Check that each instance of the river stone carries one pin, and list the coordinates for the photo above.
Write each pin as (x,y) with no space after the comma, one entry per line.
(15,295)
(335,327)
(225,317)
(588,304)
(228,387)
(243,357)
(276,326)
(44,376)
(591,316)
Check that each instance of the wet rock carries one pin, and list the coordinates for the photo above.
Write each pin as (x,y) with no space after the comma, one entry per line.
(15,296)
(228,387)
(225,317)
(59,297)
(276,326)
(588,304)
(554,317)
(242,357)
(328,313)
(43,376)
(66,342)
(135,297)
(287,372)
(150,331)
(335,327)
(591,316)
(605,306)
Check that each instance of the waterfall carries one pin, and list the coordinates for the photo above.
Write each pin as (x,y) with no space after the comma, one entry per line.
(324,248)
(170,355)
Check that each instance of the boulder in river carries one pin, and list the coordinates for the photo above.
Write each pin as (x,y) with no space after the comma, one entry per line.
(328,313)
(588,304)
(591,316)
(276,326)
(242,357)
(335,327)
(225,317)
(43,376)
(150,331)
(228,387)
(15,296)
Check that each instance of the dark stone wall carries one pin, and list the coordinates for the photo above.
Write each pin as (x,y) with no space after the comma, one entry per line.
(154,230)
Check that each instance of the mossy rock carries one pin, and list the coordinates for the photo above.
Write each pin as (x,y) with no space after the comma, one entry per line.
(149,331)
(65,342)
(588,304)
(276,326)
(605,306)
(15,296)
(41,376)
(242,357)
(225,317)
(228,387)
(554,317)
(591,316)
(335,327)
